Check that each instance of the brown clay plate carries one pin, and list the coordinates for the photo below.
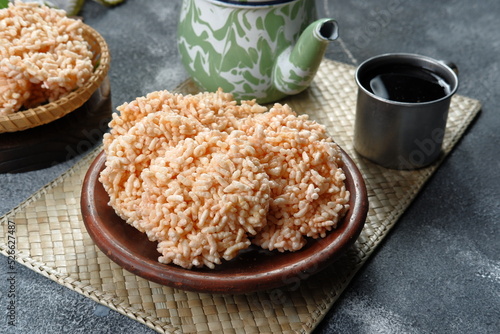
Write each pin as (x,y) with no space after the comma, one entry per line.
(252,270)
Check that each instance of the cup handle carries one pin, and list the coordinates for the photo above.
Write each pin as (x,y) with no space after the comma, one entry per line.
(451,65)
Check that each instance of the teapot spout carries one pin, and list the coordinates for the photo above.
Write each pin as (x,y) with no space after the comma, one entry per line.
(296,67)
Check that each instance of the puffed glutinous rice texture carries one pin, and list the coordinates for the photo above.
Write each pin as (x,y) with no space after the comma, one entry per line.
(206,177)
(43,56)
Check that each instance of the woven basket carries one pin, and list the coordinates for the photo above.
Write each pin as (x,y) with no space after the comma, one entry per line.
(49,112)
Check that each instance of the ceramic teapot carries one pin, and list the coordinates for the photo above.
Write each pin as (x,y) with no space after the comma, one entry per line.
(263,50)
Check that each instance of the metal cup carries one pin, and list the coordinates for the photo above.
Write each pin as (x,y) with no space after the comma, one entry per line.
(401,135)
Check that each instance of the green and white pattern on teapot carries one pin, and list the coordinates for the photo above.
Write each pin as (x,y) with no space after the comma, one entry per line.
(261,52)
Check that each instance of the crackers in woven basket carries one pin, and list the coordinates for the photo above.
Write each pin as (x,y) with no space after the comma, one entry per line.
(44,66)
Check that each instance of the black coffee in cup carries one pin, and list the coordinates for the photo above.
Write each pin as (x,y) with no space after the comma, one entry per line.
(405,83)
(402,108)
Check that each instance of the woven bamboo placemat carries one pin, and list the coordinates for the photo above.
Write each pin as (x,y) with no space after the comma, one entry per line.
(52,239)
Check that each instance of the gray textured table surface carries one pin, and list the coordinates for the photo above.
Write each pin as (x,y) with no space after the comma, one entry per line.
(438,271)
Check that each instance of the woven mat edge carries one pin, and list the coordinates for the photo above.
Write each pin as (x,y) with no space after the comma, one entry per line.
(88,291)
(400,209)
(66,280)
